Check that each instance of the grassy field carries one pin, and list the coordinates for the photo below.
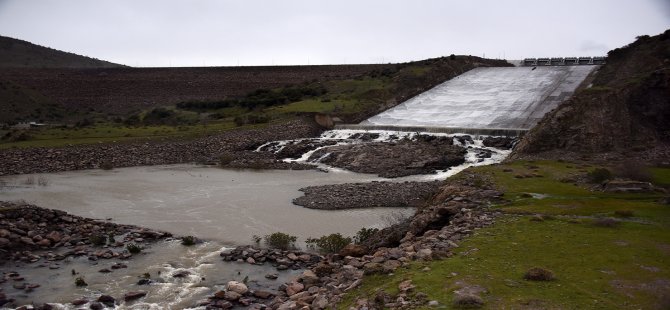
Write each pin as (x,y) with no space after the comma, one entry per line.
(112,133)
(625,265)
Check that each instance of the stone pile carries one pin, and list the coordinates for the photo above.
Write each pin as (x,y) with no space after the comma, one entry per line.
(29,233)
(367,195)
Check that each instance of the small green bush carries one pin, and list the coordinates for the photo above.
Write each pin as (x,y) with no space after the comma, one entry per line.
(624,213)
(188,240)
(133,248)
(79,282)
(280,240)
(98,240)
(332,243)
(106,165)
(364,234)
(606,222)
(226,159)
(634,170)
(599,175)
(257,239)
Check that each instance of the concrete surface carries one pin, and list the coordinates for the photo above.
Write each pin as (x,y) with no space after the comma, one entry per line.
(487,98)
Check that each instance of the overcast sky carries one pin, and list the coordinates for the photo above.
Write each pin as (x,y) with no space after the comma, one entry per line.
(253,32)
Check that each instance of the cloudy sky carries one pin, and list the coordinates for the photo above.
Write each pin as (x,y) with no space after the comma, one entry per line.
(254,32)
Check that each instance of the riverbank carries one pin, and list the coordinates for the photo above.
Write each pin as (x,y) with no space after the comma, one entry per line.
(107,156)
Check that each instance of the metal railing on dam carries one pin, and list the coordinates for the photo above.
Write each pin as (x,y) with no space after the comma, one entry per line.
(564,61)
(509,132)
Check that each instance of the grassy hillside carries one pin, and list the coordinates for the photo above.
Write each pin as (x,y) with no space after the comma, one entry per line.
(606,250)
(15,53)
(121,104)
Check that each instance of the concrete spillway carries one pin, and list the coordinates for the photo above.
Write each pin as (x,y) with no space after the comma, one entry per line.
(501,101)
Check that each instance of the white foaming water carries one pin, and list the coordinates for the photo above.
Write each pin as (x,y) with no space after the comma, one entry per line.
(204,274)
(352,136)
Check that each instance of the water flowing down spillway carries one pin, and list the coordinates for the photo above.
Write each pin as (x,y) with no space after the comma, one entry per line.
(487,98)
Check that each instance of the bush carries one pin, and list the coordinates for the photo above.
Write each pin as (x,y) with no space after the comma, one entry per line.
(106,165)
(97,239)
(539,274)
(226,159)
(624,213)
(364,234)
(280,240)
(42,181)
(257,239)
(188,240)
(332,243)
(599,175)
(634,170)
(79,282)
(606,222)
(133,248)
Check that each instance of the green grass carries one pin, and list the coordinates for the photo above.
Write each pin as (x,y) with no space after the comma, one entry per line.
(661,176)
(621,267)
(107,133)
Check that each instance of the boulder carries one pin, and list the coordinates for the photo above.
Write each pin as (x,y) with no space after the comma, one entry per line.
(134,295)
(237,287)
(294,288)
(354,250)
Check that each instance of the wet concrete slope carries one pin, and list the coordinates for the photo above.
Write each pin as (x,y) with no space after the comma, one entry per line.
(487,98)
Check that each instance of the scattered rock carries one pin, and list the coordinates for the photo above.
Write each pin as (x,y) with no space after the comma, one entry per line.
(237,287)
(134,295)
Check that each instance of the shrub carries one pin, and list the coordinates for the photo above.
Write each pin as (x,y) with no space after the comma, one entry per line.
(606,222)
(97,239)
(42,181)
(29,180)
(599,175)
(634,170)
(364,234)
(188,240)
(280,240)
(624,213)
(539,274)
(79,282)
(452,57)
(107,165)
(332,243)
(226,159)
(257,239)
(133,248)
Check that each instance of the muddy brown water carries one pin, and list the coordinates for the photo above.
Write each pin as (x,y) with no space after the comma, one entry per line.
(224,207)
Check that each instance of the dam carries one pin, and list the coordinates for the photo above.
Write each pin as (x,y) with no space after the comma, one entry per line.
(505,101)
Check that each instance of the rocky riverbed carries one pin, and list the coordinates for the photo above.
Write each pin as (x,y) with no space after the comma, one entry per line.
(201,150)
(394,159)
(47,238)
(459,209)
(367,195)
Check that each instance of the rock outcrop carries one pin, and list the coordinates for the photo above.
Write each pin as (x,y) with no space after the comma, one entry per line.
(626,108)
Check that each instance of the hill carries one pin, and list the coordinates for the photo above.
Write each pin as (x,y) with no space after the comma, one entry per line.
(15,53)
(627,107)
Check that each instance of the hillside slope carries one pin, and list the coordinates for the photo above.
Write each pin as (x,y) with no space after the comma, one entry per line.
(627,108)
(15,53)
